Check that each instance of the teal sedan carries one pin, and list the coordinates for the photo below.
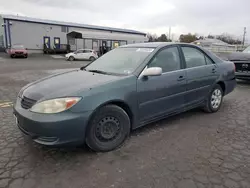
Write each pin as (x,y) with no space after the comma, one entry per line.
(126,88)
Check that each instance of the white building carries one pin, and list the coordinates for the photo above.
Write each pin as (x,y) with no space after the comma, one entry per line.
(215,45)
(35,33)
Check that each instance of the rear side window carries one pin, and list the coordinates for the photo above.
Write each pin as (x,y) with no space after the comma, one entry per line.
(168,59)
(193,57)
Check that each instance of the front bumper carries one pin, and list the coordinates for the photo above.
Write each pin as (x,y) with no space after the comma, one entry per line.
(19,54)
(66,128)
(242,75)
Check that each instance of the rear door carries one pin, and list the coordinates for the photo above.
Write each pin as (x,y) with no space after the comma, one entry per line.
(202,73)
(160,95)
(88,54)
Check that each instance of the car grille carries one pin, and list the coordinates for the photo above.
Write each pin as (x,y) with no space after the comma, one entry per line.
(242,66)
(27,103)
(18,52)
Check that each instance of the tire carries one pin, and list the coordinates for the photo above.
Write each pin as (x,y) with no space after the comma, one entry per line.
(214,100)
(108,129)
(12,56)
(71,58)
(92,58)
(26,56)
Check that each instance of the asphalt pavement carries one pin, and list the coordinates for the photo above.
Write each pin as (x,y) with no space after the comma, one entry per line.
(190,150)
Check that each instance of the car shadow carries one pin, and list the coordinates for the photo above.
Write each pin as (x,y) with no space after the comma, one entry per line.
(166,122)
(84,151)
(243,82)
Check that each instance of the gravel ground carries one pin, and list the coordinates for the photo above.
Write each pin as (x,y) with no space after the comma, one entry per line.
(190,150)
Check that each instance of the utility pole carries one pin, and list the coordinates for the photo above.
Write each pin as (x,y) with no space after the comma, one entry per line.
(169,33)
(244,36)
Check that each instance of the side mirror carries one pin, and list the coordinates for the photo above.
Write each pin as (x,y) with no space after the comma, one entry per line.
(152,71)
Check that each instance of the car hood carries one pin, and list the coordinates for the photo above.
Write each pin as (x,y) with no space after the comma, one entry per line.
(65,84)
(69,54)
(239,56)
(18,50)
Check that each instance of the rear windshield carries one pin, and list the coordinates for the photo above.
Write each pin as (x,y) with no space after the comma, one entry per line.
(18,47)
(121,60)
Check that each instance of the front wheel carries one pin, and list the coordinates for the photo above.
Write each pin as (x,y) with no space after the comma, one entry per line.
(214,100)
(108,128)
(71,58)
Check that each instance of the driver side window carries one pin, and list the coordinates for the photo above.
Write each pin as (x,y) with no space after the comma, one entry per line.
(168,59)
(79,51)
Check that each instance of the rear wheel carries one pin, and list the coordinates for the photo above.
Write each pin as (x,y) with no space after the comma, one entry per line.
(108,129)
(214,100)
(92,58)
(71,58)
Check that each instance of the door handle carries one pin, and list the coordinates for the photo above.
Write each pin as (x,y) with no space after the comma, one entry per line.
(181,78)
(213,70)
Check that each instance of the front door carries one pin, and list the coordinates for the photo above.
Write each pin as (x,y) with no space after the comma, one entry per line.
(46,42)
(202,73)
(79,54)
(57,42)
(160,95)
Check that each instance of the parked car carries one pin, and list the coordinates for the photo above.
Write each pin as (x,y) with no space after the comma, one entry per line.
(18,50)
(82,54)
(124,89)
(242,63)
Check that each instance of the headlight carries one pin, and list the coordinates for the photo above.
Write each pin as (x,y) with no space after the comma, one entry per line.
(55,105)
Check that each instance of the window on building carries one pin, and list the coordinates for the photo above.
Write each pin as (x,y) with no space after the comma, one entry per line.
(168,59)
(123,43)
(88,44)
(64,29)
(193,57)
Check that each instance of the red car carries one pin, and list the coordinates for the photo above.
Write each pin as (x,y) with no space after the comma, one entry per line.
(18,51)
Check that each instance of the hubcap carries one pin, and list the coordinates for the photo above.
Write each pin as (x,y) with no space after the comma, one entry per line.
(216,98)
(108,129)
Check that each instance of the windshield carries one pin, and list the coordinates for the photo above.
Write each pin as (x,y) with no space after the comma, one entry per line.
(120,60)
(247,50)
(18,47)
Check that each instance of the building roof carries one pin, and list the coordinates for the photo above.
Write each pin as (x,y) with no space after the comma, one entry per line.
(71,24)
(148,44)
(154,44)
(210,41)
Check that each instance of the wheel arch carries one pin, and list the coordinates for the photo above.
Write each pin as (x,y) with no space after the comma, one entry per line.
(120,103)
(222,85)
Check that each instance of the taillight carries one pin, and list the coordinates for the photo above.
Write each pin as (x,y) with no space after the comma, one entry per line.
(95,52)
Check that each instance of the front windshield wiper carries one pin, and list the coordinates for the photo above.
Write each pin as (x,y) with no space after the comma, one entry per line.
(98,71)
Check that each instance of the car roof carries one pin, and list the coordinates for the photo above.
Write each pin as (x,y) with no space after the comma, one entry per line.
(153,44)
(85,49)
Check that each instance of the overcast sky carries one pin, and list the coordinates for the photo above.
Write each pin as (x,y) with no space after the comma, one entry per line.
(155,16)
